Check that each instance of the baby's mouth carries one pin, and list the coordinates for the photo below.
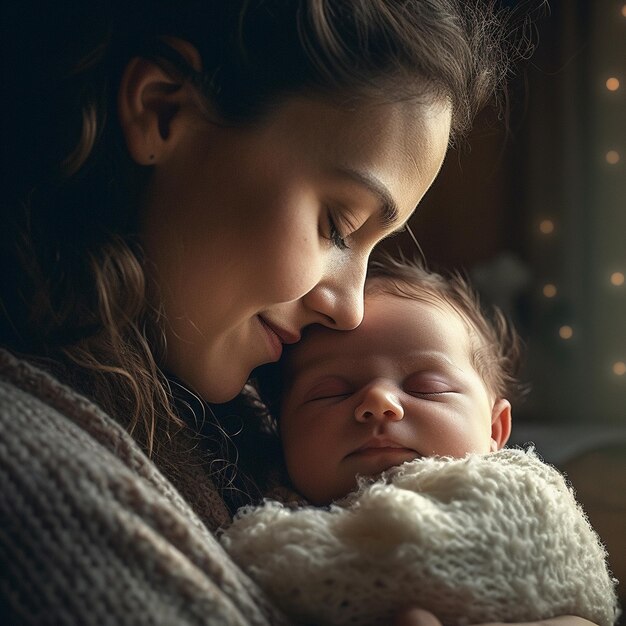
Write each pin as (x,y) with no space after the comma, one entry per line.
(377,446)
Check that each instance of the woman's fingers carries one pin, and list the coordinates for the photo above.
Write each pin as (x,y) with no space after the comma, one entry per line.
(563,620)
(417,617)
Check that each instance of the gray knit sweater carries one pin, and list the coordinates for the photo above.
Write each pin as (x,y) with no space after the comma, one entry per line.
(91,532)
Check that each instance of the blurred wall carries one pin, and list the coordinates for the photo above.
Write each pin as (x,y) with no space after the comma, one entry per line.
(534,208)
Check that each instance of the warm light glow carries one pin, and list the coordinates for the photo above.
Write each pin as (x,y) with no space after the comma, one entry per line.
(617,279)
(612,157)
(549,290)
(624,10)
(619,368)
(546,227)
(612,84)
(566,332)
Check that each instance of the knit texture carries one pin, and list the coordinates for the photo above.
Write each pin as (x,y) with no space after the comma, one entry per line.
(91,532)
(495,537)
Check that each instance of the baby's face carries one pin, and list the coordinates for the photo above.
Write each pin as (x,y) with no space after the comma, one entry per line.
(400,386)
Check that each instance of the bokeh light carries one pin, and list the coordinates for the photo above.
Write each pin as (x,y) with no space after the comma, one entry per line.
(619,368)
(549,290)
(617,279)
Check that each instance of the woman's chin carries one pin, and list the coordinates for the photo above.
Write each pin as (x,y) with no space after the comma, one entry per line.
(224,392)
(216,389)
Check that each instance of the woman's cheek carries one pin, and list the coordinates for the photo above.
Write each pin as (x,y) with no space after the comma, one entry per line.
(297,269)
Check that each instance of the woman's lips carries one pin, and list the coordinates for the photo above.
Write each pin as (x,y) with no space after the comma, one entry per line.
(277,337)
(274,341)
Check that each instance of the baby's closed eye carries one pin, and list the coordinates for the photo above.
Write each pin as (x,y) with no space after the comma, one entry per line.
(328,389)
(424,385)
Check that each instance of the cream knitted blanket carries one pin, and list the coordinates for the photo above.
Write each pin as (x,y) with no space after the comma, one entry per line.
(495,537)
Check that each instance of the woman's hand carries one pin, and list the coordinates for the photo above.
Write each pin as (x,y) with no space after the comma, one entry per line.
(416,617)
(419,617)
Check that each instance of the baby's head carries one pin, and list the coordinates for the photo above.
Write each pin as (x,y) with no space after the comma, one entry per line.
(426,373)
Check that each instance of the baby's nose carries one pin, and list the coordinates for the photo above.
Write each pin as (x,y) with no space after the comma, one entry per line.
(379,403)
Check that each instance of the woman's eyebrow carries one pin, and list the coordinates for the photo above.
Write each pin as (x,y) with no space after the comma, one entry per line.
(388,207)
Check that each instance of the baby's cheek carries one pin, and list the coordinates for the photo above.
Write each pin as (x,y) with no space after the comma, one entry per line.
(305,445)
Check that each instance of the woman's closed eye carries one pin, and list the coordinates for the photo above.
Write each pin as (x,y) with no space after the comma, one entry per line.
(334,234)
(341,225)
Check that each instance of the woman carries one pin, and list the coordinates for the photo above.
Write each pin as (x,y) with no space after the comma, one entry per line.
(188,185)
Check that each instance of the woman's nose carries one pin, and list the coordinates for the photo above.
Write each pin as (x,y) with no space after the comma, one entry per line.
(338,297)
(379,403)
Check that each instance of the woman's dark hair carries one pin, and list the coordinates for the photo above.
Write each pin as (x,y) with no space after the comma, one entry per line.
(73,284)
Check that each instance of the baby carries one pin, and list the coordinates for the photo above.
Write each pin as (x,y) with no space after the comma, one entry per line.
(425,374)
(411,408)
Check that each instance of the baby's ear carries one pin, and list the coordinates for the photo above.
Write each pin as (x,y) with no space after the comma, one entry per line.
(500,423)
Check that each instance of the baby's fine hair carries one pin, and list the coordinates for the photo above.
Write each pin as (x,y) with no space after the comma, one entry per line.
(494,342)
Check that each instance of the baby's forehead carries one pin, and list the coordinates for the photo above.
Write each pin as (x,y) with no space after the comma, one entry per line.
(315,342)
(421,295)
(392,325)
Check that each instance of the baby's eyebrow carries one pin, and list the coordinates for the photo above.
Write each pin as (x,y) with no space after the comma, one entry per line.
(314,365)
(430,357)
(319,364)
(316,368)
(388,207)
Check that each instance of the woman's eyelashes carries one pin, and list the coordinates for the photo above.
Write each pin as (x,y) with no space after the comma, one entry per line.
(335,236)
(342,224)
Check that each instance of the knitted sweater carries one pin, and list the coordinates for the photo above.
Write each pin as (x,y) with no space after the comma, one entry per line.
(92,532)
(495,537)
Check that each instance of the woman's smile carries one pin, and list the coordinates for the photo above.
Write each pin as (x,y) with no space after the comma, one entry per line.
(277,336)
(274,342)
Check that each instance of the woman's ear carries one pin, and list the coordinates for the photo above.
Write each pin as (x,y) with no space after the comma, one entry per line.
(500,424)
(149,102)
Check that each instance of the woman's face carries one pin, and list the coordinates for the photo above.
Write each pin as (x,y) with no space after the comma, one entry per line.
(254,233)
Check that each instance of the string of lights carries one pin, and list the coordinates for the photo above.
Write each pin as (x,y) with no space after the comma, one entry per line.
(580,228)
